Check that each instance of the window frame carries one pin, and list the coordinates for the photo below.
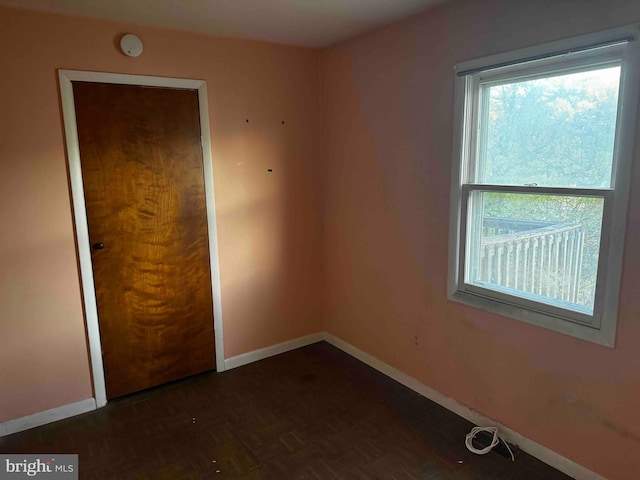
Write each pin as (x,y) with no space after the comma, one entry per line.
(583,52)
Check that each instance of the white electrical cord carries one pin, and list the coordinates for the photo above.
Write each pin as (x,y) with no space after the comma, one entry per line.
(496,440)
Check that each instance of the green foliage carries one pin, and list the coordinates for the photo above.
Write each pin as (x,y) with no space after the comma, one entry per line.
(556,131)
(559,209)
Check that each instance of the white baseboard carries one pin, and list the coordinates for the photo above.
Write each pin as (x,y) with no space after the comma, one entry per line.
(534,449)
(267,352)
(541,452)
(48,416)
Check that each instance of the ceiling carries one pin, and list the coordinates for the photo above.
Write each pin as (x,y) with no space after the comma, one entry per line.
(308,23)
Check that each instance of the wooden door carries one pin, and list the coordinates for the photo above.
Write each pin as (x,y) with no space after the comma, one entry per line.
(142,171)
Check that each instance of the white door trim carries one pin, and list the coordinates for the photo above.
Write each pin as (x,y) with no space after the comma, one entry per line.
(80,212)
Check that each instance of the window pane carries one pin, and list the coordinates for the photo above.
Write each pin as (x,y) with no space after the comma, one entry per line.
(555,131)
(541,247)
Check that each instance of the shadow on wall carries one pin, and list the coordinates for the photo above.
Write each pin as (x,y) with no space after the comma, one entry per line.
(275,270)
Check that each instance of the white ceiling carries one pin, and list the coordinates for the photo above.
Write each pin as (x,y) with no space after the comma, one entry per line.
(309,23)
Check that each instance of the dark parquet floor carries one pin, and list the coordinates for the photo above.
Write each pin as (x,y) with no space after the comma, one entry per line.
(314,413)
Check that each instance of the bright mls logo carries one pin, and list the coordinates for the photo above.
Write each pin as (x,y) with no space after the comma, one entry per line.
(51,467)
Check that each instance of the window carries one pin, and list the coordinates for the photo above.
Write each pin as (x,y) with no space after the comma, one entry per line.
(542,158)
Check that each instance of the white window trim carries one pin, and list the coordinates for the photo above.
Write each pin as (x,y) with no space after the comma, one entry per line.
(616,200)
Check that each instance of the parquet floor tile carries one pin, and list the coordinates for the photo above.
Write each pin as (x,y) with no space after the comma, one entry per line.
(311,414)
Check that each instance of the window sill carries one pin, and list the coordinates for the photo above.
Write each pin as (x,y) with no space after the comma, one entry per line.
(583,332)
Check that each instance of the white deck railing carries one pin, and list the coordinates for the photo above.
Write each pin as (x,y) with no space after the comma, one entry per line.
(541,258)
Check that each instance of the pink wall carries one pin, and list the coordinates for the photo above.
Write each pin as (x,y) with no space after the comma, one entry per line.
(387,130)
(268,223)
(386,133)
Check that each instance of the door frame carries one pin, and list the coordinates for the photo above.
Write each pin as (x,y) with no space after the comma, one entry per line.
(80,212)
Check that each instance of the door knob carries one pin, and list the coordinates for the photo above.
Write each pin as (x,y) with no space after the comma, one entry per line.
(97,246)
